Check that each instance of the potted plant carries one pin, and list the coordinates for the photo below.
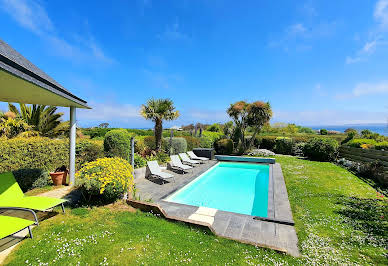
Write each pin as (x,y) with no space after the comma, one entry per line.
(59,176)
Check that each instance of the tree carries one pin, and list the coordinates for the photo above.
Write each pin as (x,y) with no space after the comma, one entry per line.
(253,115)
(41,118)
(214,128)
(259,114)
(239,113)
(103,125)
(158,110)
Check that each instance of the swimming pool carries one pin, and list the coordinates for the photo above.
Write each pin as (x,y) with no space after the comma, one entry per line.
(229,186)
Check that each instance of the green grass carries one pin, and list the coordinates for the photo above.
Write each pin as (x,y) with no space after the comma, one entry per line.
(339,220)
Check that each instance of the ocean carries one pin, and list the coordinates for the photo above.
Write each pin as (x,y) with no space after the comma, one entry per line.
(382,129)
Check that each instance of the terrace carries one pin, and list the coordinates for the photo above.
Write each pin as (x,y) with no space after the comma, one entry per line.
(339,218)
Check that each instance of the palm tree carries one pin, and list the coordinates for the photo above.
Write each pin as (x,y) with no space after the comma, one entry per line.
(158,110)
(41,118)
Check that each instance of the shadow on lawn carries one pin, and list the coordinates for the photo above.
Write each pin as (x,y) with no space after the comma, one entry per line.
(367,215)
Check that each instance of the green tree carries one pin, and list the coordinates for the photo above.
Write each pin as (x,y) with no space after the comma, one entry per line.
(253,115)
(158,110)
(43,119)
(259,114)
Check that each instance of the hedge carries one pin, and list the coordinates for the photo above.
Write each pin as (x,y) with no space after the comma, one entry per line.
(224,146)
(178,145)
(117,143)
(319,149)
(44,153)
(283,145)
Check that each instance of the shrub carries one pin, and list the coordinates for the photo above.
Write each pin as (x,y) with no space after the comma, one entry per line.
(178,145)
(87,151)
(96,132)
(141,132)
(35,152)
(356,143)
(267,142)
(214,128)
(382,146)
(117,143)
(323,131)
(224,146)
(29,178)
(140,161)
(283,145)
(161,157)
(321,149)
(209,138)
(140,146)
(149,142)
(297,149)
(104,180)
(44,153)
(192,142)
(371,170)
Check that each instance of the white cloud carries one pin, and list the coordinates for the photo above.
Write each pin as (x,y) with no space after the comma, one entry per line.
(370,46)
(33,16)
(377,35)
(381,13)
(28,14)
(370,88)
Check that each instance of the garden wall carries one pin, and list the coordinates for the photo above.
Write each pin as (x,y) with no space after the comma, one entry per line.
(365,156)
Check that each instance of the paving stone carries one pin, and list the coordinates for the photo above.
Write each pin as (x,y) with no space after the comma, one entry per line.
(202,218)
(251,230)
(235,227)
(206,211)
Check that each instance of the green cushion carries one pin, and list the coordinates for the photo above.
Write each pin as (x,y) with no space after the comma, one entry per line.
(12,196)
(9,188)
(11,225)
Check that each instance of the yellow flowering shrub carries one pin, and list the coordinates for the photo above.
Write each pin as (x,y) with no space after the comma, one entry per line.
(105,180)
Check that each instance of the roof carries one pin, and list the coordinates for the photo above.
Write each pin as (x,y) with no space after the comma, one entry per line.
(17,65)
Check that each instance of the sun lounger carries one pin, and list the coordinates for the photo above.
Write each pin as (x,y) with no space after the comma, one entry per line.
(187,160)
(12,196)
(195,157)
(178,165)
(156,172)
(12,225)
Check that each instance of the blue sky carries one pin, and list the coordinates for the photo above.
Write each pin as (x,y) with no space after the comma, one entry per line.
(316,62)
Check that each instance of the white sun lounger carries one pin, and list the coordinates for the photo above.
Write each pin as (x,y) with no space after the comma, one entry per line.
(195,157)
(178,165)
(156,172)
(186,159)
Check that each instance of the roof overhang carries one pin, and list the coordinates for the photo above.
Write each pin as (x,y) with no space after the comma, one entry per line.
(23,82)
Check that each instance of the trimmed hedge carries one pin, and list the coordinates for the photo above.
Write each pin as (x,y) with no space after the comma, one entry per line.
(117,143)
(178,145)
(283,145)
(44,153)
(192,142)
(224,146)
(319,149)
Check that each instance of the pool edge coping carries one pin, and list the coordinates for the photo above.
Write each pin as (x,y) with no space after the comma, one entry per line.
(283,239)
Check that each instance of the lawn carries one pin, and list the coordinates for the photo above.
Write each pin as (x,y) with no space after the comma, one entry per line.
(339,220)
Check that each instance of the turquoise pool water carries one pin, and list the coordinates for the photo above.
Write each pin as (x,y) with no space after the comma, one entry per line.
(229,186)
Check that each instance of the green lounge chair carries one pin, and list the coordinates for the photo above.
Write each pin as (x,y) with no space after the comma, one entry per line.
(11,196)
(12,225)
